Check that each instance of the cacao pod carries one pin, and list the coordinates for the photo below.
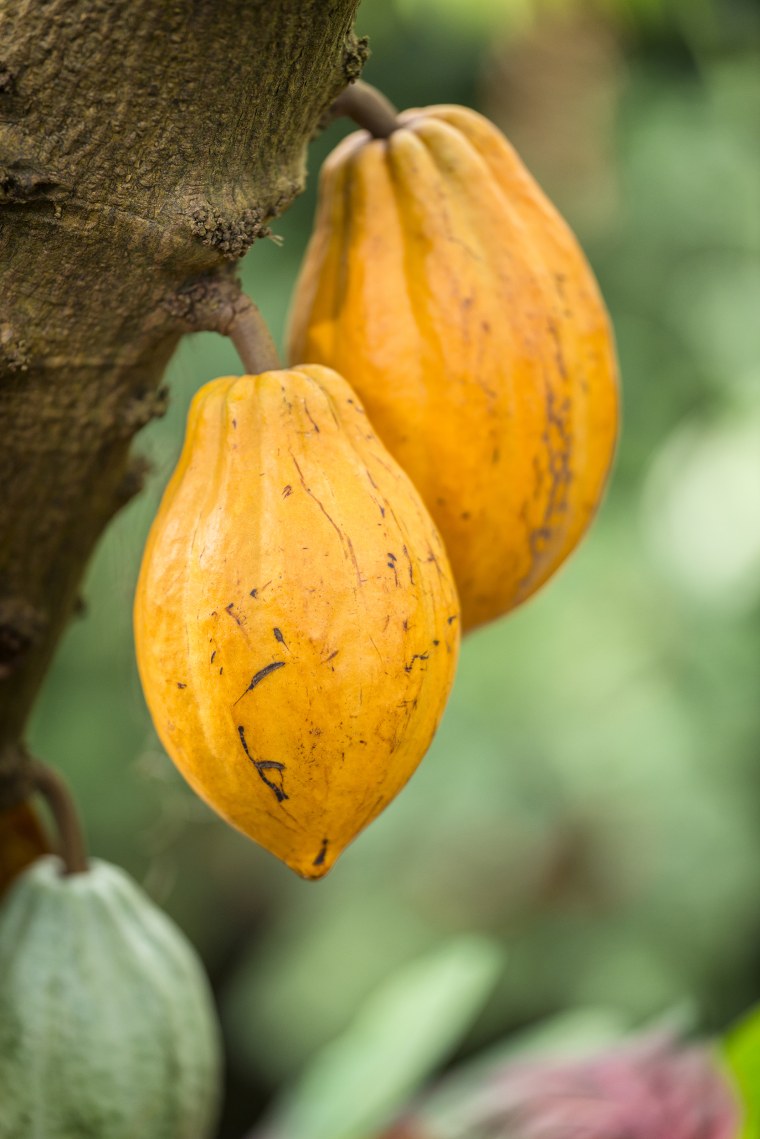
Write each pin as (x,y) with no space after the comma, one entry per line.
(106,1021)
(296,620)
(446,288)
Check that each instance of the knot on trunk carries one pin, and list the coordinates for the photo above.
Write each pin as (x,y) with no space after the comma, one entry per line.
(21,627)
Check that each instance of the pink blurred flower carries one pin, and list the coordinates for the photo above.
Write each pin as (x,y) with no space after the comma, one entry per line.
(650,1087)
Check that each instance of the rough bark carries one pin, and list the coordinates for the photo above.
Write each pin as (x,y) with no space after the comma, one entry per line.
(144,145)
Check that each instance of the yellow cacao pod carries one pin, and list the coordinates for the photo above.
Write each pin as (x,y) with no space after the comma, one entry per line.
(446,288)
(296,621)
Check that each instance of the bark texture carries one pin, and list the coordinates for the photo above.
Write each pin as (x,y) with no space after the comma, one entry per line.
(144,146)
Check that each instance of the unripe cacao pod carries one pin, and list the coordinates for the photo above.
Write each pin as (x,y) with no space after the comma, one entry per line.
(106,1021)
(445,287)
(296,620)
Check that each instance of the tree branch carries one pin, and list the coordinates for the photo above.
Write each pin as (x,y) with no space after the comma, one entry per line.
(143,148)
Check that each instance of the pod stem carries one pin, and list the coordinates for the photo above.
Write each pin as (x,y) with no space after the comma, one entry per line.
(250,334)
(368,108)
(55,791)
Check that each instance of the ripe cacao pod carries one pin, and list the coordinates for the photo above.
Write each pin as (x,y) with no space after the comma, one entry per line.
(106,1021)
(296,620)
(445,287)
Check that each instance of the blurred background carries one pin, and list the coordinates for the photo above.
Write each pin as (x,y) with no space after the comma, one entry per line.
(592,800)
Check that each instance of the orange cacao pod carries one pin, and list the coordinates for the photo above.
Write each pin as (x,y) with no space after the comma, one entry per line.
(446,288)
(296,619)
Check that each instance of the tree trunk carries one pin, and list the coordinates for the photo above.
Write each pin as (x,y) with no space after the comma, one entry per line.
(144,146)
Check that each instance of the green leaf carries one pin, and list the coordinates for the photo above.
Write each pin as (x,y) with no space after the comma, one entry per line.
(355,1085)
(741,1049)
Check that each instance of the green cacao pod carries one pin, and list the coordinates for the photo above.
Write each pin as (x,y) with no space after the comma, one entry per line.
(107,1029)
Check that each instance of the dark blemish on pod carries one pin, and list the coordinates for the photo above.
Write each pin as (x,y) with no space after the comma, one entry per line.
(255,592)
(379,506)
(310,417)
(319,860)
(221,670)
(417,656)
(238,620)
(234,424)
(263,765)
(436,643)
(287,491)
(332,656)
(450,620)
(259,676)
(409,561)
(181,685)
(213,655)
(278,636)
(343,537)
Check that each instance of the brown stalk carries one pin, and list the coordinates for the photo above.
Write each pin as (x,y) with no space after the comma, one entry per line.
(368,108)
(253,341)
(55,791)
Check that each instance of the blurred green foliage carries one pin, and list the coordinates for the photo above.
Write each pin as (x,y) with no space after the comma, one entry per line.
(592,800)
(742,1055)
(359,1082)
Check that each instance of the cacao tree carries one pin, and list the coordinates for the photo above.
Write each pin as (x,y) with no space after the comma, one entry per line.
(144,147)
